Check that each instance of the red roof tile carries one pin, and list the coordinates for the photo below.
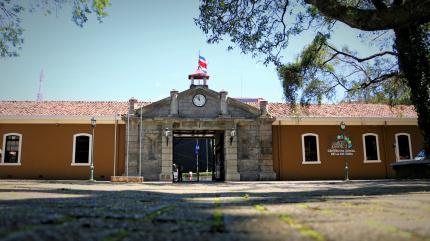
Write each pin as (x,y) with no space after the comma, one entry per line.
(278,110)
(64,108)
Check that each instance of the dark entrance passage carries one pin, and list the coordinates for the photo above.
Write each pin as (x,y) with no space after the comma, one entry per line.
(199,155)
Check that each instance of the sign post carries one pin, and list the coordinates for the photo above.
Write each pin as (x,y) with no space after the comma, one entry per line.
(197,158)
(342,147)
(343,126)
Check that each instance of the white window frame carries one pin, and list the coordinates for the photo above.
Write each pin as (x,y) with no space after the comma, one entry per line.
(397,146)
(303,149)
(4,148)
(74,149)
(377,148)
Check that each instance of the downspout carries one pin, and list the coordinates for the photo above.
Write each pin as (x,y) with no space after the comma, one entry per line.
(140,142)
(128,143)
(279,149)
(114,145)
(385,149)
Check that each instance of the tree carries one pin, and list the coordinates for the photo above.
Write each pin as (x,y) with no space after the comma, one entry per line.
(11,31)
(400,28)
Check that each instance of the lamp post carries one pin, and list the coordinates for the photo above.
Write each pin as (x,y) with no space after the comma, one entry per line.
(197,158)
(93,125)
(345,144)
(232,135)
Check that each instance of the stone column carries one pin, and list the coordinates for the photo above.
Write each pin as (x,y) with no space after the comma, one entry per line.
(223,99)
(133,148)
(166,153)
(266,159)
(263,108)
(131,103)
(174,106)
(131,140)
(230,157)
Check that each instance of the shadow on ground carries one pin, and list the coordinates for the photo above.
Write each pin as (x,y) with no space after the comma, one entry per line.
(64,211)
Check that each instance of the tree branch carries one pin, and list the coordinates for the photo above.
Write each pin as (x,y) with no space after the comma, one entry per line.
(378,79)
(379,4)
(361,59)
(415,12)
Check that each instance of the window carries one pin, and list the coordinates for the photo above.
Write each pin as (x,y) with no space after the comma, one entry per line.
(403,146)
(310,148)
(81,149)
(371,147)
(11,154)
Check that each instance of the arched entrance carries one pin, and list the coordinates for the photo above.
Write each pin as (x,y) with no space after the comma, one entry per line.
(199,155)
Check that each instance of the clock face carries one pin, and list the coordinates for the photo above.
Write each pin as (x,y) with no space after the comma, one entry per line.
(199,100)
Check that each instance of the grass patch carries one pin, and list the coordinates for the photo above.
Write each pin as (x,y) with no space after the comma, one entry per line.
(153,215)
(327,212)
(201,174)
(303,230)
(302,205)
(389,229)
(245,197)
(119,235)
(218,217)
(260,208)
(32,227)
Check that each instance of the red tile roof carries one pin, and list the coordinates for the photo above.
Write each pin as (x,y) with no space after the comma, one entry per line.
(279,110)
(64,108)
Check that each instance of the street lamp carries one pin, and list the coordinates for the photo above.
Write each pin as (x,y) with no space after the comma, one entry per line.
(345,144)
(232,134)
(166,134)
(93,125)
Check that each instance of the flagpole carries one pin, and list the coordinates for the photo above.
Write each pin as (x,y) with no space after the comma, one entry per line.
(197,154)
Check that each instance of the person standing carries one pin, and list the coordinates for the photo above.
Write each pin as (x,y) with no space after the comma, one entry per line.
(174,173)
(180,173)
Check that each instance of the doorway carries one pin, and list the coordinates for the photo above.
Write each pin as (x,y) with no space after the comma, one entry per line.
(199,155)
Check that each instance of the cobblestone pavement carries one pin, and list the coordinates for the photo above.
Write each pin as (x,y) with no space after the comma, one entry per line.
(80,210)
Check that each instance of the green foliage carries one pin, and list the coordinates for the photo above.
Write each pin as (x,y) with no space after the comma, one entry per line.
(264,27)
(257,27)
(11,30)
(393,92)
(305,76)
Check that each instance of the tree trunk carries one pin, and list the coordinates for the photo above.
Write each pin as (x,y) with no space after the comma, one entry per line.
(413,57)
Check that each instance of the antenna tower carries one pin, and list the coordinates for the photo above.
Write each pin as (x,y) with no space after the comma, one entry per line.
(39,92)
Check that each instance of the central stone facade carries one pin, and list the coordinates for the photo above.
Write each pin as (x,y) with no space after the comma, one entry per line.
(247,134)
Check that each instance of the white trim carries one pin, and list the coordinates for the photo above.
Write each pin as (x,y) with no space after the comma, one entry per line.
(303,149)
(377,148)
(397,146)
(74,149)
(4,150)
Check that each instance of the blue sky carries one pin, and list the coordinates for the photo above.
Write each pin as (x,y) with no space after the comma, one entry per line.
(143,49)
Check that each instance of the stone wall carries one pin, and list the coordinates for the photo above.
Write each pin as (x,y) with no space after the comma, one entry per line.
(187,109)
(255,150)
(247,155)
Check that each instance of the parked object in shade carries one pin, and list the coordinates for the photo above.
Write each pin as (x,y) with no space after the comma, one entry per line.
(419,167)
(421,155)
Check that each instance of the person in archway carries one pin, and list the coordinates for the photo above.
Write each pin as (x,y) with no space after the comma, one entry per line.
(180,170)
(174,173)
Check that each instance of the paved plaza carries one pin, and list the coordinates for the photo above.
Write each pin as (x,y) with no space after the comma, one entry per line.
(80,210)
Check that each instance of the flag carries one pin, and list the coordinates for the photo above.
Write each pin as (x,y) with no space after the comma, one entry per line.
(202,64)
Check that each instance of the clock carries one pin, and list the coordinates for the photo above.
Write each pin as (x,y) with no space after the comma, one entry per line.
(199,100)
